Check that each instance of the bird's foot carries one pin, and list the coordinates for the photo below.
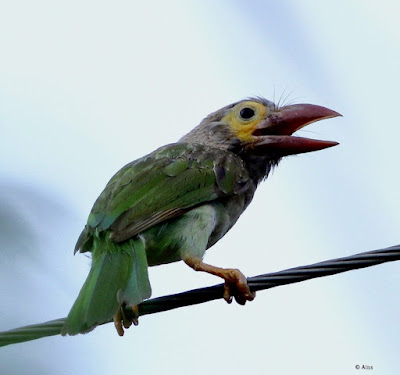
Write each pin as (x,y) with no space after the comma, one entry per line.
(235,282)
(125,317)
(236,287)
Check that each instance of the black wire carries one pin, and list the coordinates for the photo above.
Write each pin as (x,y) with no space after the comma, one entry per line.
(192,297)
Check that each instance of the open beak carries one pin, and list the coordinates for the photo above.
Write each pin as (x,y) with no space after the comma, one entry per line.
(274,134)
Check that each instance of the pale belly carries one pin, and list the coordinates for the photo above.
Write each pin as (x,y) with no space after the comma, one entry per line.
(191,234)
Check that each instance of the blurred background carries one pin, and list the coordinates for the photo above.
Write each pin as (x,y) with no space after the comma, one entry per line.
(88,86)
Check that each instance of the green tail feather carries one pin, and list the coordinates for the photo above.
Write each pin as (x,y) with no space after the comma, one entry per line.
(118,274)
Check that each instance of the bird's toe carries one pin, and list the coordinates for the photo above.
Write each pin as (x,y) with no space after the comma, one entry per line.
(236,286)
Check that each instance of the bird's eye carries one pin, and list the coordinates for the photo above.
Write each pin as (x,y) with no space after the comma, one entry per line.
(246,113)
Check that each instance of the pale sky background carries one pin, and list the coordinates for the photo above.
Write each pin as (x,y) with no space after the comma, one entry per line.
(88,86)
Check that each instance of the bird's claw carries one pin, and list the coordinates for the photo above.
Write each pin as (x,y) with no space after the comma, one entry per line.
(125,317)
(235,282)
(236,287)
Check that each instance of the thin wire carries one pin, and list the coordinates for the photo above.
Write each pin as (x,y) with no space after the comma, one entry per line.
(197,296)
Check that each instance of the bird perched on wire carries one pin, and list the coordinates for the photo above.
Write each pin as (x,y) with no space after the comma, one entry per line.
(178,201)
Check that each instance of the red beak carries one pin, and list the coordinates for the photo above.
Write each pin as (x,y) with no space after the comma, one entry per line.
(274,134)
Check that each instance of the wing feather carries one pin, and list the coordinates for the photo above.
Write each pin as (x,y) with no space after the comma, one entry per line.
(162,186)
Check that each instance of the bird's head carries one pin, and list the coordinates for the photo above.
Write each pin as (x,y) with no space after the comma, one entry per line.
(259,126)
(261,131)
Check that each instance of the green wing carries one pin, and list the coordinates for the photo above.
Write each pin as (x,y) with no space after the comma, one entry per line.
(161,186)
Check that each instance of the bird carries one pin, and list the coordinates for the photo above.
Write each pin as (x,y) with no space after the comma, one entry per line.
(178,201)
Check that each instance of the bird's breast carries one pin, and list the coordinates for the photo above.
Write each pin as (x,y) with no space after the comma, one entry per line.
(228,212)
(192,233)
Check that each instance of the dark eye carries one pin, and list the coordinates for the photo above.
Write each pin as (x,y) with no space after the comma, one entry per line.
(246,113)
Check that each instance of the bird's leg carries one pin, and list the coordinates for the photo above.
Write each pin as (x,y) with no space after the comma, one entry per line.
(235,282)
(124,318)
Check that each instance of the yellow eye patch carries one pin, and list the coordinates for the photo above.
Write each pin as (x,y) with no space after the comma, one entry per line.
(241,121)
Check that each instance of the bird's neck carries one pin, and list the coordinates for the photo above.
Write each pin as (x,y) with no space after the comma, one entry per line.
(258,166)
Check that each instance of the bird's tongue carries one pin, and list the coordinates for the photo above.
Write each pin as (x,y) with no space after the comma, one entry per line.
(274,134)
